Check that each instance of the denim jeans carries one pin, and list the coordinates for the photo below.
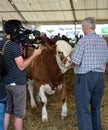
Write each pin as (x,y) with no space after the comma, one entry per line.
(89,90)
(2,113)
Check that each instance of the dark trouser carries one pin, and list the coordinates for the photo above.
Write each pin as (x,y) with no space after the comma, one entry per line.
(89,90)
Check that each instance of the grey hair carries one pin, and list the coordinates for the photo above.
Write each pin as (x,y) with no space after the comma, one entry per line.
(89,22)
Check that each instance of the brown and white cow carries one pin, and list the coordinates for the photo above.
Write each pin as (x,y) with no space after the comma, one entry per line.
(46,73)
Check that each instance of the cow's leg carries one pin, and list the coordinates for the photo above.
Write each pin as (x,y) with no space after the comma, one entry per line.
(44,103)
(30,89)
(64,110)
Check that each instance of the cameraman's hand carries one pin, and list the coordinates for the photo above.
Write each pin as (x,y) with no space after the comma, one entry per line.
(23,63)
(37,51)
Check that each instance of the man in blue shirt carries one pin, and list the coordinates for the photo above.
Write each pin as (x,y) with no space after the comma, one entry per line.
(89,59)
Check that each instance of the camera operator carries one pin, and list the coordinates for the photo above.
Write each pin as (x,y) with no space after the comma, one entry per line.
(15,80)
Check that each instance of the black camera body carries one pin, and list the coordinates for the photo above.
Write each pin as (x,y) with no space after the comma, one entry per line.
(21,35)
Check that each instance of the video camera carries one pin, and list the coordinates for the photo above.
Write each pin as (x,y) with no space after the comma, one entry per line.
(21,35)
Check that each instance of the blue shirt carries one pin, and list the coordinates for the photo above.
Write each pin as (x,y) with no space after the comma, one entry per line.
(90,54)
(12,51)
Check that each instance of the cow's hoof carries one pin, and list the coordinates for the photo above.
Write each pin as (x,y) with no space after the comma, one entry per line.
(33,106)
(63,118)
(45,120)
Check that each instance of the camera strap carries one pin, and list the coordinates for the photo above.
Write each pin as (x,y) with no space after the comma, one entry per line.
(2,52)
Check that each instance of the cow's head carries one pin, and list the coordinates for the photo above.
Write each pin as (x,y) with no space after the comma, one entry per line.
(63,50)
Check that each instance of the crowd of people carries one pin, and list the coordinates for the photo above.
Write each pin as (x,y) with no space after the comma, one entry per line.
(89,62)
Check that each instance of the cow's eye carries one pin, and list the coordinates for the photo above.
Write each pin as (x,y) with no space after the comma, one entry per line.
(59,52)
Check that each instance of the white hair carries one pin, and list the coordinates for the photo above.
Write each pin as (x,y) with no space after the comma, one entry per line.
(89,22)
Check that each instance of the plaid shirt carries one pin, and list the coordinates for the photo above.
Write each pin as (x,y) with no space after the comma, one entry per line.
(90,54)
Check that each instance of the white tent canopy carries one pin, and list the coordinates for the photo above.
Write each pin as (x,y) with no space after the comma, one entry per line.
(53,11)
